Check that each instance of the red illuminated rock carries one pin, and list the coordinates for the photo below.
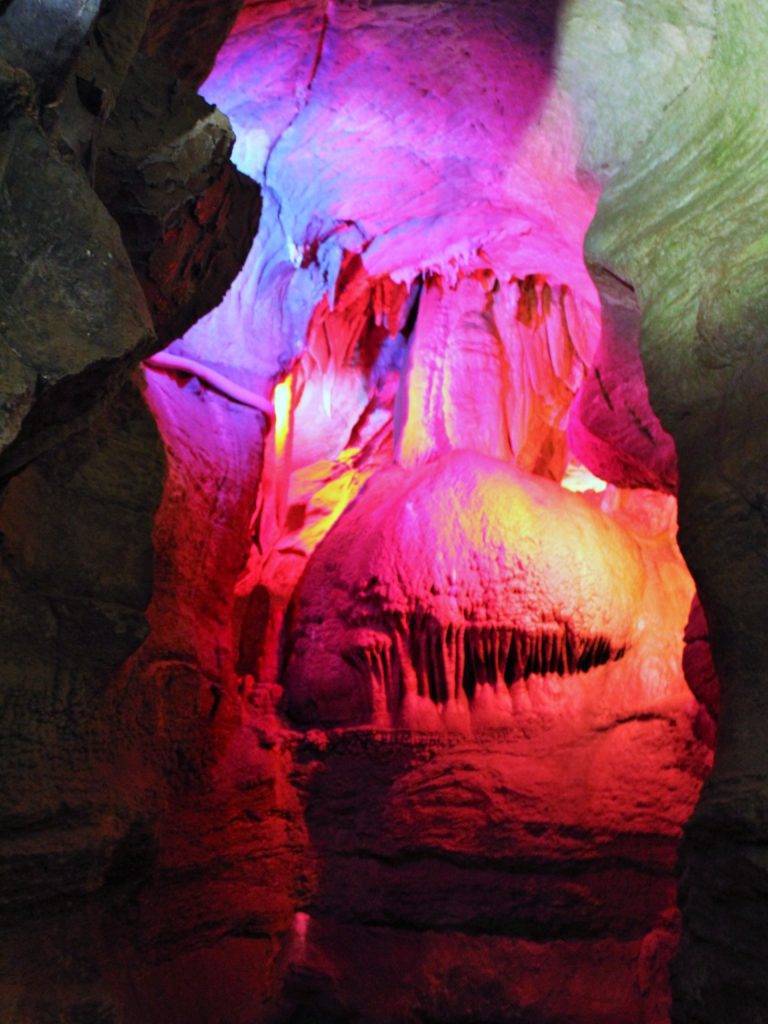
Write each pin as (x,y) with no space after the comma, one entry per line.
(700,672)
(443,586)
(612,427)
(490,829)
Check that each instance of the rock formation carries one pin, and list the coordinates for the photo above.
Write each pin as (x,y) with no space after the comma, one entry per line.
(350,666)
(445,586)
(83,469)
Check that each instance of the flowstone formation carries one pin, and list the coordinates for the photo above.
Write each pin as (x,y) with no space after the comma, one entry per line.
(444,586)
(351,668)
(422,586)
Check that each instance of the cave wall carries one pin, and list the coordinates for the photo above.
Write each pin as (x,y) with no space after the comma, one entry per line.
(114,238)
(676,224)
(173,847)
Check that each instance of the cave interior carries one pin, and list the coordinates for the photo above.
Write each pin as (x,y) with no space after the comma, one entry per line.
(383,512)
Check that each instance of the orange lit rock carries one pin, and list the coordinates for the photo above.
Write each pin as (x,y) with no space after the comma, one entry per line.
(444,587)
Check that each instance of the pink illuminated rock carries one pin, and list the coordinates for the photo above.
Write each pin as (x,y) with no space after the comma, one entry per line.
(493,366)
(409,738)
(612,427)
(435,176)
(466,163)
(443,586)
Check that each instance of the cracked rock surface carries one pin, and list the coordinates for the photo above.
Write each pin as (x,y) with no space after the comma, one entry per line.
(72,311)
(187,216)
(172,848)
(678,223)
(83,467)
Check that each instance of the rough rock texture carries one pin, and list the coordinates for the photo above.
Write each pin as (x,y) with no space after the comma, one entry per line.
(174,850)
(77,575)
(700,672)
(97,740)
(43,39)
(74,320)
(187,37)
(492,880)
(612,427)
(187,216)
(73,315)
(227,831)
(470,978)
(678,222)
(375,180)
(90,92)
(167,845)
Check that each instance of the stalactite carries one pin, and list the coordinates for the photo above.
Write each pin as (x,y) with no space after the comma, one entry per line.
(458,661)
